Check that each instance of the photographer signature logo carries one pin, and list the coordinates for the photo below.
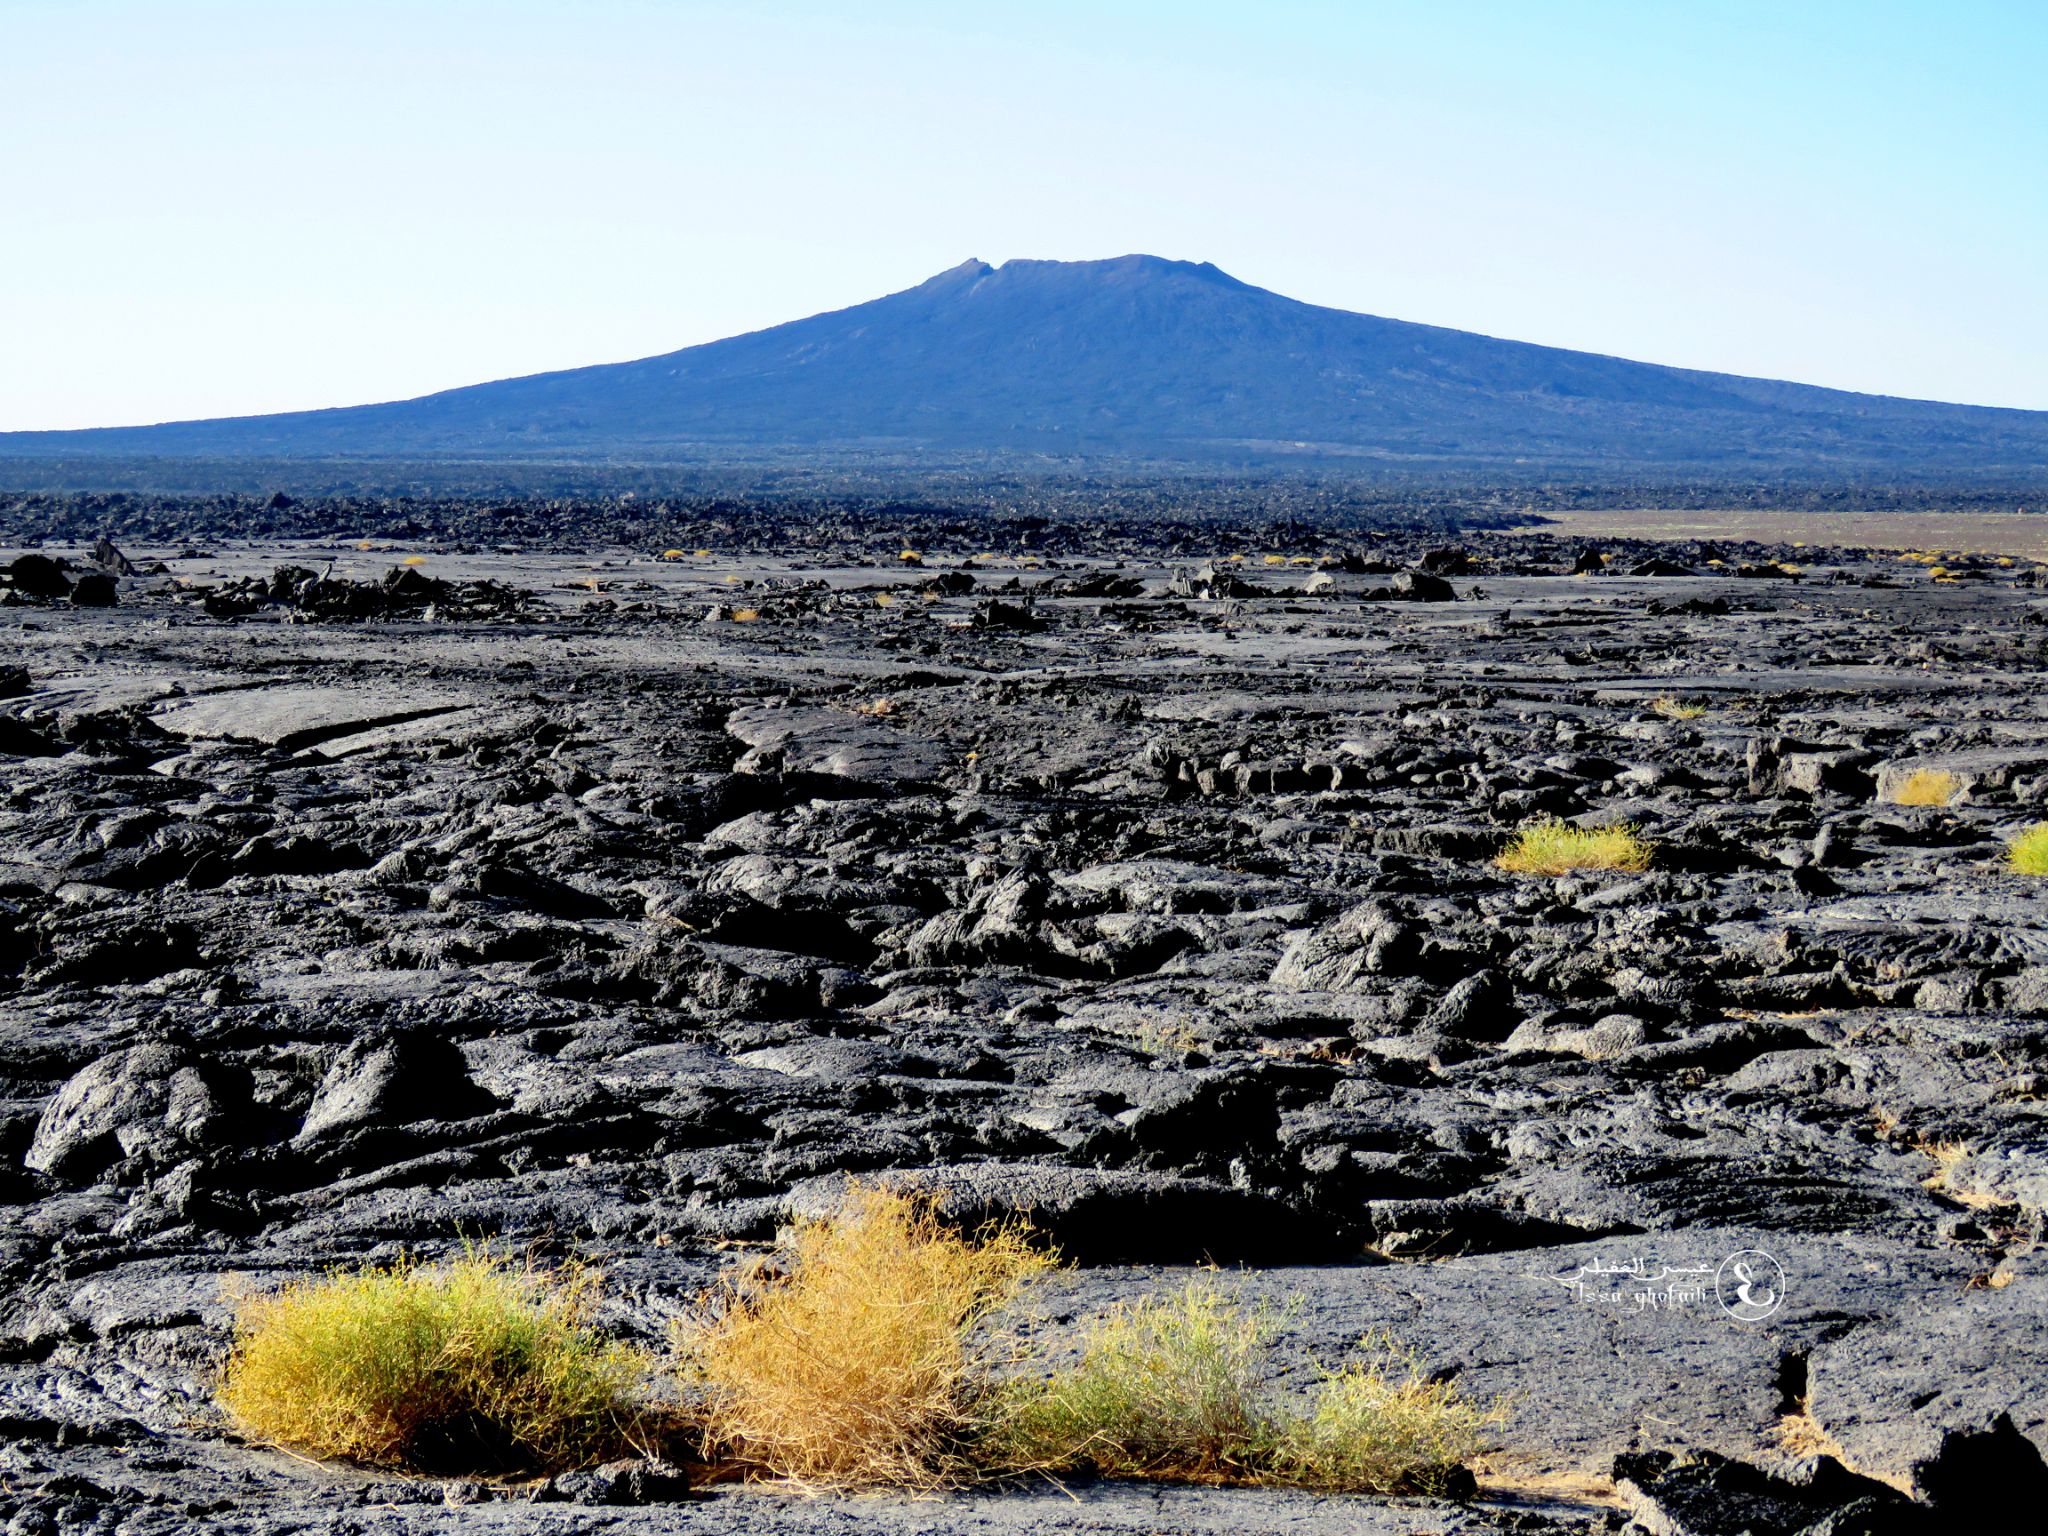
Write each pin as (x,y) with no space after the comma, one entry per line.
(1748,1285)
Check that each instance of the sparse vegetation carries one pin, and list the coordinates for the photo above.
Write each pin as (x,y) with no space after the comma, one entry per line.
(1381,1426)
(2027,854)
(1554,847)
(478,1366)
(1949,1155)
(864,1358)
(1677,709)
(1158,1037)
(1927,786)
(1168,1388)
(1800,1434)
(855,1363)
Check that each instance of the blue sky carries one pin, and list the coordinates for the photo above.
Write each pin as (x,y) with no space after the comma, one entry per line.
(225,208)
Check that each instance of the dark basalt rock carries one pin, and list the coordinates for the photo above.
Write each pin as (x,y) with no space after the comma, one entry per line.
(615,1484)
(95,589)
(1348,953)
(107,555)
(388,1079)
(148,1105)
(1421,587)
(1702,1494)
(1447,561)
(403,592)
(1108,1216)
(37,576)
(997,614)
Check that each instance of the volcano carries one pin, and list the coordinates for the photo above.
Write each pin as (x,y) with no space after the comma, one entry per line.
(1132,359)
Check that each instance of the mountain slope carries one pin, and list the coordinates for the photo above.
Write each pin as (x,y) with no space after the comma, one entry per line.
(1132,357)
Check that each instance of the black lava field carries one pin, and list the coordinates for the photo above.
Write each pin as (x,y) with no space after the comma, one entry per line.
(370,896)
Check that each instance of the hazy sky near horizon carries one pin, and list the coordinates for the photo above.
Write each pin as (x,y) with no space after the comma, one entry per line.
(228,208)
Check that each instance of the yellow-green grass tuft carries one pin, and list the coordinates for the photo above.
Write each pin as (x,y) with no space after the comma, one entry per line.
(1553,847)
(1380,1425)
(2027,854)
(1677,709)
(1167,1388)
(1927,786)
(478,1366)
(859,1359)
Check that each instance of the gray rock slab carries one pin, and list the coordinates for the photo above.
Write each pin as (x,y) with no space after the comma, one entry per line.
(457,725)
(297,717)
(845,745)
(1888,1394)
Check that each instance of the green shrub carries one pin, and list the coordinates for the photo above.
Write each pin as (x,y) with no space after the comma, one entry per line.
(1381,1426)
(1167,1388)
(2027,854)
(477,1366)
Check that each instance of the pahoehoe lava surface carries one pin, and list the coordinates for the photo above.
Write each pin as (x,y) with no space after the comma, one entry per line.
(621,906)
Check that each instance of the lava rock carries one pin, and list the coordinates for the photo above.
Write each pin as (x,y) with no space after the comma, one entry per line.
(392,1078)
(38,576)
(95,589)
(1704,1494)
(1348,952)
(618,1483)
(150,1104)
(1421,587)
(1110,1215)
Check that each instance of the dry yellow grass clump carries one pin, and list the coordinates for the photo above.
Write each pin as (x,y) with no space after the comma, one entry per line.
(1381,1426)
(1928,786)
(1677,709)
(1168,1388)
(1553,847)
(2027,854)
(478,1366)
(856,1362)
